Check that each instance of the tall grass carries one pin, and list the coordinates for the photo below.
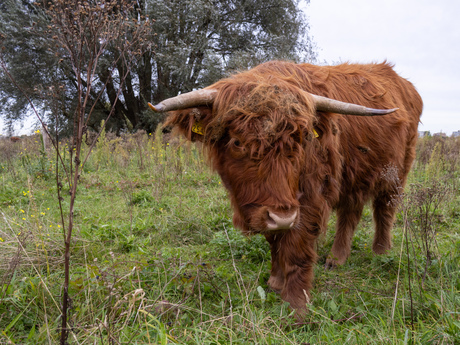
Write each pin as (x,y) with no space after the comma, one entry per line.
(156,260)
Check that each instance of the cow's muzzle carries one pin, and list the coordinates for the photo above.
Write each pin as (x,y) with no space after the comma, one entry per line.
(277,220)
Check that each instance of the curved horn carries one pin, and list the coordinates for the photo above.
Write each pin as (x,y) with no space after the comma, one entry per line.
(186,100)
(334,106)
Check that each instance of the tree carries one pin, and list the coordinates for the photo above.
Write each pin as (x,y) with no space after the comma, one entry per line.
(196,42)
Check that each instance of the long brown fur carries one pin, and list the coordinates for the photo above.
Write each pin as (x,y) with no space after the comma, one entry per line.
(275,152)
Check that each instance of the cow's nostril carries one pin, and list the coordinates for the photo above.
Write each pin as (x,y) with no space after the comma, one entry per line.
(281,221)
(270,221)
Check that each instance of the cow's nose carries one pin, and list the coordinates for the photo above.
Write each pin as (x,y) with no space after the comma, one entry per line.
(281,221)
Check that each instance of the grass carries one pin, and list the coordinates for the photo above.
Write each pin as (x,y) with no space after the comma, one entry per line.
(155,258)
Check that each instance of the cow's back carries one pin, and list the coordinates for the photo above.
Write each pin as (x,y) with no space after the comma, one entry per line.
(370,146)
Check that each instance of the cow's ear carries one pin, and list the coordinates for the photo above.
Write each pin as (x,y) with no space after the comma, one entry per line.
(190,122)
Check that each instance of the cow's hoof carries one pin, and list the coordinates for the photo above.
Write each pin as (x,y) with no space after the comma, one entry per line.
(330,264)
(380,249)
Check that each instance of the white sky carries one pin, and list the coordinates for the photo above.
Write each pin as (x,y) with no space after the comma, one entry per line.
(420,37)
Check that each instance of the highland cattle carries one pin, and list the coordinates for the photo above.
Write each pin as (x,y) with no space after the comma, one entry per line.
(293,142)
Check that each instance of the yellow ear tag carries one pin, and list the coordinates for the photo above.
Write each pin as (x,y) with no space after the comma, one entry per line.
(315,133)
(198,128)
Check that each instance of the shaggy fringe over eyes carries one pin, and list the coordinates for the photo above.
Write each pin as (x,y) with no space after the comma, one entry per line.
(271,109)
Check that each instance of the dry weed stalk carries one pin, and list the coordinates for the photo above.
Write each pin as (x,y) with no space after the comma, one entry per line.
(84,32)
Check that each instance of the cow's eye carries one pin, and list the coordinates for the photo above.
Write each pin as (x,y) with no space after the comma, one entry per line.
(236,148)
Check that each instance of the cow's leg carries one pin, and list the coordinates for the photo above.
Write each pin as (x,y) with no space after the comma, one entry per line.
(276,280)
(347,220)
(384,215)
(297,258)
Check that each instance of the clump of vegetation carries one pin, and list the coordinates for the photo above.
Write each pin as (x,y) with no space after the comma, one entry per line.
(155,258)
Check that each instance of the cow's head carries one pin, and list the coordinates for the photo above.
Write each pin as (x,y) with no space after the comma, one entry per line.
(257,132)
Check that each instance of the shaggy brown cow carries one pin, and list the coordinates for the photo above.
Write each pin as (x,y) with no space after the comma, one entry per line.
(288,157)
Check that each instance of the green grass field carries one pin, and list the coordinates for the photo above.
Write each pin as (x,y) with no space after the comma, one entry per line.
(155,258)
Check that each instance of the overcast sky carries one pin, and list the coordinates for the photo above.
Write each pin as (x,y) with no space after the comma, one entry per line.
(420,37)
